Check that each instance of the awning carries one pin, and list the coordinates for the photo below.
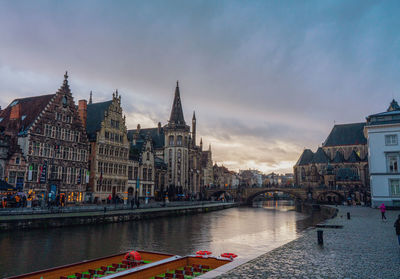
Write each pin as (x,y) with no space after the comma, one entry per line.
(5,187)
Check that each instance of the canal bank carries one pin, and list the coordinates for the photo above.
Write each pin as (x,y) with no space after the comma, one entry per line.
(33,221)
(360,247)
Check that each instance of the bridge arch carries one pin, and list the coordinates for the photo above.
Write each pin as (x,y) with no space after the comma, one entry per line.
(292,193)
(330,196)
(217,194)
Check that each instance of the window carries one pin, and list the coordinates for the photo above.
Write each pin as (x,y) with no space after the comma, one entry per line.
(47,131)
(179,140)
(148,156)
(394,185)
(130,172)
(135,173)
(171,140)
(391,139)
(144,173)
(17,160)
(11,177)
(150,174)
(392,163)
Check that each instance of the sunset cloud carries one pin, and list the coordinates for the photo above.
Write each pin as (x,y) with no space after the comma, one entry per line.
(266,78)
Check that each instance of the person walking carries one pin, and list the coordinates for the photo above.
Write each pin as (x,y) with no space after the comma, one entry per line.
(383,210)
(397,226)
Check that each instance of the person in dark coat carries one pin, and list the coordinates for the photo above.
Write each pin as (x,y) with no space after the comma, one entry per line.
(397,226)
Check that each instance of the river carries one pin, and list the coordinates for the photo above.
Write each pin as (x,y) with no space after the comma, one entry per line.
(246,231)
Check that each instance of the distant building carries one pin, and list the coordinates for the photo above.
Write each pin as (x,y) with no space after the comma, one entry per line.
(178,159)
(251,178)
(49,138)
(109,147)
(383,131)
(207,166)
(146,154)
(341,162)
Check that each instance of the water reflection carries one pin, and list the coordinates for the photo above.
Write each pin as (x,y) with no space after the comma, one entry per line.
(244,231)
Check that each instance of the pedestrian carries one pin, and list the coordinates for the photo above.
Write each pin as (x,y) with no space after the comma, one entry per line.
(397,226)
(383,210)
(132,203)
(138,203)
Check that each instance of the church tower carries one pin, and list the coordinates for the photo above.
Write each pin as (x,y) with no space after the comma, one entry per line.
(176,152)
(194,130)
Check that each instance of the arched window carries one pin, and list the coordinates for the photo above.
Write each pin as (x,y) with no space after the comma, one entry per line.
(179,141)
(171,140)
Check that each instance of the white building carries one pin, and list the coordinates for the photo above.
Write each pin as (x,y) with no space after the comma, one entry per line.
(383,132)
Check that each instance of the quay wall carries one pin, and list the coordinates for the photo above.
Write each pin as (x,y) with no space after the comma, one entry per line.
(85,218)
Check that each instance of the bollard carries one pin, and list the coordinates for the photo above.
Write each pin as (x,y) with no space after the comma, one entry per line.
(348,215)
(320,237)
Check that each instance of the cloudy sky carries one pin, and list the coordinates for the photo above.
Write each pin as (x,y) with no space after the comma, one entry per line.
(266,78)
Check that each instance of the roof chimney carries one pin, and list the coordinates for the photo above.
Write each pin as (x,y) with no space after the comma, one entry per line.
(159,128)
(82,110)
(15,112)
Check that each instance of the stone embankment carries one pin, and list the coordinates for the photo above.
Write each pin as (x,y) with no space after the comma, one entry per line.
(84,217)
(363,246)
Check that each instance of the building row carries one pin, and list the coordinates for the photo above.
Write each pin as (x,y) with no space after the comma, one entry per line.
(50,146)
(360,158)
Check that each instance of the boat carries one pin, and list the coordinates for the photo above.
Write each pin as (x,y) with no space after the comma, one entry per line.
(86,269)
(134,264)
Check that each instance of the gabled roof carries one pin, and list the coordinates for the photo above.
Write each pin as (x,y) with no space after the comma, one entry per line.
(135,151)
(305,158)
(390,116)
(157,137)
(353,158)
(393,106)
(346,134)
(95,115)
(339,158)
(320,157)
(29,109)
(176,117)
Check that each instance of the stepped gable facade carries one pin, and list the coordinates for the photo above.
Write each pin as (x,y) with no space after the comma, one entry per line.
(109,147)
(51,141)
(341,162)
(141,170)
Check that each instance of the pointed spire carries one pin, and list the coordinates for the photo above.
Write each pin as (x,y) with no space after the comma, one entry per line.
(194,115)
(90,98)
(177,112)
(66,78)
(65,87)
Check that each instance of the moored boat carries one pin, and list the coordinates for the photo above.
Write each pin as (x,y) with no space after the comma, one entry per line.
(96,268)
(134,264)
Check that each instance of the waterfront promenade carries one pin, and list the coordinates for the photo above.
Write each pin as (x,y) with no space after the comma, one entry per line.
(59,217)
(365,247)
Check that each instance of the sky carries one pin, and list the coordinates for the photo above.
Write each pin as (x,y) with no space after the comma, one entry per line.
(266,78)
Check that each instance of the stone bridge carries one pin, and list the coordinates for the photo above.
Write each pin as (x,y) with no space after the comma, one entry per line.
(246,195)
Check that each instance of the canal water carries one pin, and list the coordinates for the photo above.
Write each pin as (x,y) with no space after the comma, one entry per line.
(246,231)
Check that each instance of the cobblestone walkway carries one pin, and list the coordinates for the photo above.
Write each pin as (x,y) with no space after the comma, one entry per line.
(365,247)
